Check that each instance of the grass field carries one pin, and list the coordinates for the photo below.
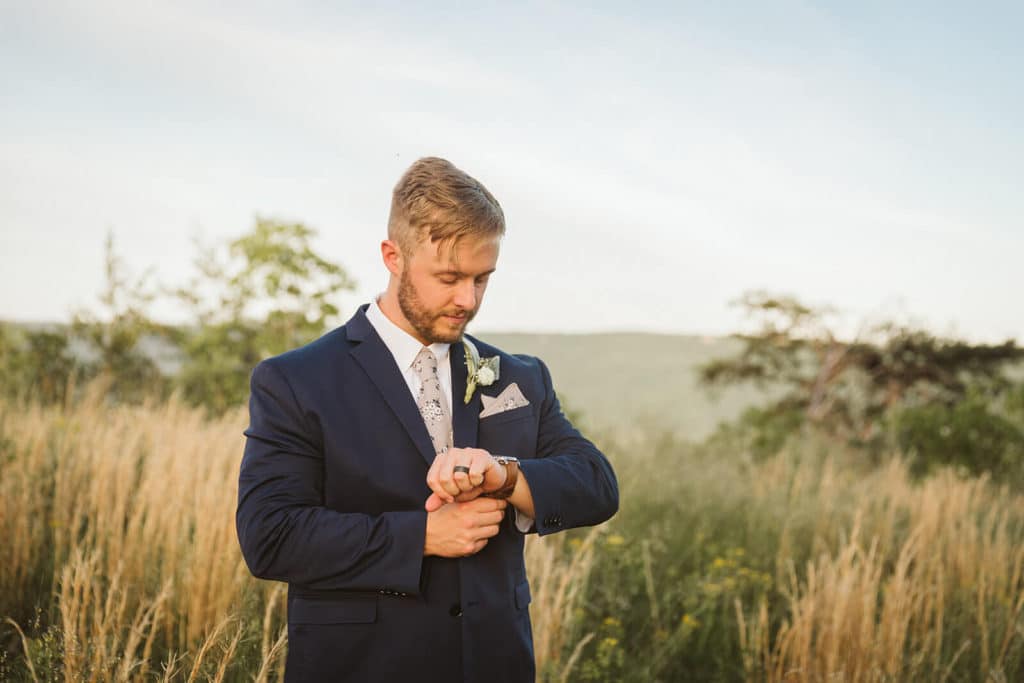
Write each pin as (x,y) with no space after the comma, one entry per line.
(121,563)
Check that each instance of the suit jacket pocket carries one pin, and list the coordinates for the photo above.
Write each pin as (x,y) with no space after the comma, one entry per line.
(508,415)
(513,432)
(355,610)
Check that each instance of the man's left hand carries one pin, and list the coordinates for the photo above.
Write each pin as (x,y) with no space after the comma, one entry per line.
(448,485)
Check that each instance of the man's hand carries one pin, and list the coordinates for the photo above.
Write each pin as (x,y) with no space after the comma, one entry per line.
(449,485)
(460,529)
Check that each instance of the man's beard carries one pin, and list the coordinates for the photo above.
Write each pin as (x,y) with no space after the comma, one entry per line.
(424,321)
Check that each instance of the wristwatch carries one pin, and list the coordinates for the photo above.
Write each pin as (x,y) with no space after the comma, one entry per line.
(511,476)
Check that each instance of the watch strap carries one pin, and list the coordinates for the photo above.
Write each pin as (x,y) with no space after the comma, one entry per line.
(511,477)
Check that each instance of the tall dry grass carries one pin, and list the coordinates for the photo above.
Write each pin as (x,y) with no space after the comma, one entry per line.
(121,563)
(120,528)
(558,571)
(926,578)
(121,550)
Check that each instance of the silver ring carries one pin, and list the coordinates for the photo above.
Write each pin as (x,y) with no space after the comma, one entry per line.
(461,468)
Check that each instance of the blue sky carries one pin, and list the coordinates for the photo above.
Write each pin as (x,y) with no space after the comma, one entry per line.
(653,162)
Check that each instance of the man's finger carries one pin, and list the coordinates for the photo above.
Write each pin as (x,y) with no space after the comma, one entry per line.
(479,465)
(461,471)
(433,503)
(467,496)
(444,485)
(488,531)
(434,482)
(488,518)
(448,484)
(482,504)
(435,473)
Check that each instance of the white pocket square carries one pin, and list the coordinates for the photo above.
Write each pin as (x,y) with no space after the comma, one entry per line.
(511,397)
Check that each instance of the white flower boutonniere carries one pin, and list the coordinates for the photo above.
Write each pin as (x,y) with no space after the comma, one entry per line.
(482,371)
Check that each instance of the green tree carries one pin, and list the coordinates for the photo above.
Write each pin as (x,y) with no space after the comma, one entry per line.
(855,389)
(257,296)
(46,364)
(971,434)
(37,364)
(113,332)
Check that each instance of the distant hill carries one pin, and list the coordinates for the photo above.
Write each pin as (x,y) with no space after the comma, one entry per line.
(641,380)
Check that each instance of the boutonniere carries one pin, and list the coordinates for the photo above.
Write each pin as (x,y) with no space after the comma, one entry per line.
(482,371)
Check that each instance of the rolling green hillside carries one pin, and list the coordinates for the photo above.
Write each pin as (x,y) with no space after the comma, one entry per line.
(641,380)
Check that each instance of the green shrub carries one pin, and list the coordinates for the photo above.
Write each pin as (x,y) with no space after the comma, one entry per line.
(969,434)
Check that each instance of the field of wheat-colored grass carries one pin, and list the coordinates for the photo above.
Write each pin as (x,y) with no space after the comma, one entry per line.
(121,563)
(925,575)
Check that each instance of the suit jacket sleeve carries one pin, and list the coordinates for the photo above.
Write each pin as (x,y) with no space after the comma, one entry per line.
(285,531)
(571,482)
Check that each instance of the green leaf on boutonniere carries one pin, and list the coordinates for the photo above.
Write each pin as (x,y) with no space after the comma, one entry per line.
(482,371)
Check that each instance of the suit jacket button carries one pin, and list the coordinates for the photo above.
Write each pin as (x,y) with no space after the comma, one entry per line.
(456,610)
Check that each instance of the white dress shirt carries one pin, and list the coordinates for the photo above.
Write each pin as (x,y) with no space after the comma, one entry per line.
(404,348)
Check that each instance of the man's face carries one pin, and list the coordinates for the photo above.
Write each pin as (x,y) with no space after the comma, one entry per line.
(440,289)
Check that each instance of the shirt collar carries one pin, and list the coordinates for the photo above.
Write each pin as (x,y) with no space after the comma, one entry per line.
(402,345)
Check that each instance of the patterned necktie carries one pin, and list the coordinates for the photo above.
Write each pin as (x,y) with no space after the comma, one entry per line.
(431,401)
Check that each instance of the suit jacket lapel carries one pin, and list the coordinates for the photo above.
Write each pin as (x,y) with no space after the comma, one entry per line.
(379,364)
(465,416)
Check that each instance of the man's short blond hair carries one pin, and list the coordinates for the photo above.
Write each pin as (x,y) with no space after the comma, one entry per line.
(435,200)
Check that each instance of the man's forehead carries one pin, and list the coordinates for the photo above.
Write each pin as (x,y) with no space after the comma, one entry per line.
(452,253)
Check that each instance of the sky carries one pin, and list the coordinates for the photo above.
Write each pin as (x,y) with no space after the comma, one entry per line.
(654,160)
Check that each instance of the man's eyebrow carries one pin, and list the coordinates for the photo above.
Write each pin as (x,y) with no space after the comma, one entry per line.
(459,273)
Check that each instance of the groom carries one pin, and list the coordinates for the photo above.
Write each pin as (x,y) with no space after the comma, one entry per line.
(392,466)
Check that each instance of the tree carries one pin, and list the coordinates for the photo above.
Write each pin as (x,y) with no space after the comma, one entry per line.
(113,334)
(259,295)
(37,364)
(855,389)
(973,434)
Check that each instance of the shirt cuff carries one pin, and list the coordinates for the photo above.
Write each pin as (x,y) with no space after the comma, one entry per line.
(523,522)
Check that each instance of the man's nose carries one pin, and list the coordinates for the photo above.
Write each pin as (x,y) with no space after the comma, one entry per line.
(465,295)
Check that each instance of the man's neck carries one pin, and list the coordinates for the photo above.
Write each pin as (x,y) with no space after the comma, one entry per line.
(388,303)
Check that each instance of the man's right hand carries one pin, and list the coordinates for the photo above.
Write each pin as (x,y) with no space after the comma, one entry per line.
(461,529)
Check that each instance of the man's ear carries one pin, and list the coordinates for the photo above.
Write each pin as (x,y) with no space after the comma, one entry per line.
(392,257)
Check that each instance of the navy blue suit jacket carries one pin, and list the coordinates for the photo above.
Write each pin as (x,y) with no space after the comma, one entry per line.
(330,500)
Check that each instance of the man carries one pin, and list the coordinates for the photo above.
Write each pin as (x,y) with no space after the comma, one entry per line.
(376,479)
